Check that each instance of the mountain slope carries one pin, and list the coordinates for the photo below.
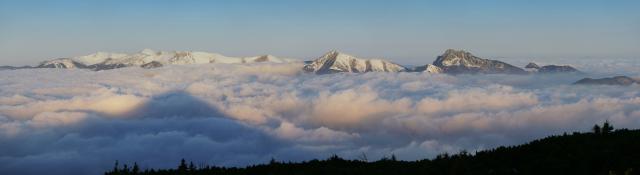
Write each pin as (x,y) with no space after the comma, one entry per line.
(462,62)
(333,62)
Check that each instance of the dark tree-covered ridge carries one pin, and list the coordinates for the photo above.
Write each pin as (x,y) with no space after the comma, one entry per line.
(603,151)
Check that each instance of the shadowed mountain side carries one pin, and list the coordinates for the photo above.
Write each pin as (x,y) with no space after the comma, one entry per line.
(170,104)
(189,113)
(169,126)
(177,103)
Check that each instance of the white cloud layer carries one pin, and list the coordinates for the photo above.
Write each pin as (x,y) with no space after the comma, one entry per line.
(80,122)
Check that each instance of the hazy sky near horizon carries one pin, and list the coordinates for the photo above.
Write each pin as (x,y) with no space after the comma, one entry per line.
(408,32)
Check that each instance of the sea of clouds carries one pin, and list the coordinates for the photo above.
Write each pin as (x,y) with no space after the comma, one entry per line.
(55,121)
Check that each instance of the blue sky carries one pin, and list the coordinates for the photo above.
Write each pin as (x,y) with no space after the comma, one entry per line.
(409,32)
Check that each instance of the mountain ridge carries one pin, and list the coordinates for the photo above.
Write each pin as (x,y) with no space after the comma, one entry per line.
(334,61)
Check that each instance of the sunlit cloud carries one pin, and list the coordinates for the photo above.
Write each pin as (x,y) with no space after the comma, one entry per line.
(237,115)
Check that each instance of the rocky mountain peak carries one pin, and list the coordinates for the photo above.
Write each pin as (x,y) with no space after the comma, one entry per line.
(462,62)
(453,57)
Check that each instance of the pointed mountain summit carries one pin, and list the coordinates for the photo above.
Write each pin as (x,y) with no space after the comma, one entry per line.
(334,61)
(462,62)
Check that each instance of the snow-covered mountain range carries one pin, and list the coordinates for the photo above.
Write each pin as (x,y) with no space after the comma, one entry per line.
(150,58)
(450,62)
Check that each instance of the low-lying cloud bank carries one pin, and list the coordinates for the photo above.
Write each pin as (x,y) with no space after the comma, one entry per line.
(78,122)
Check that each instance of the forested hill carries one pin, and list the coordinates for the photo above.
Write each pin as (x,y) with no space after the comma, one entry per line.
(603,151)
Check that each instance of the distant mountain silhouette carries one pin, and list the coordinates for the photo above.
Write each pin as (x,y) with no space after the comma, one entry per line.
(617,80)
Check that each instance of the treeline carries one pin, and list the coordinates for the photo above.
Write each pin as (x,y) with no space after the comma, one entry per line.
(603,151)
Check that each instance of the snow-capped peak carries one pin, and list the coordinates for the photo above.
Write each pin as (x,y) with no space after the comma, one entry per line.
(334,61)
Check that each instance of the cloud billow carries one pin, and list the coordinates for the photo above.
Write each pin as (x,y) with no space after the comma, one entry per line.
(80,122)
